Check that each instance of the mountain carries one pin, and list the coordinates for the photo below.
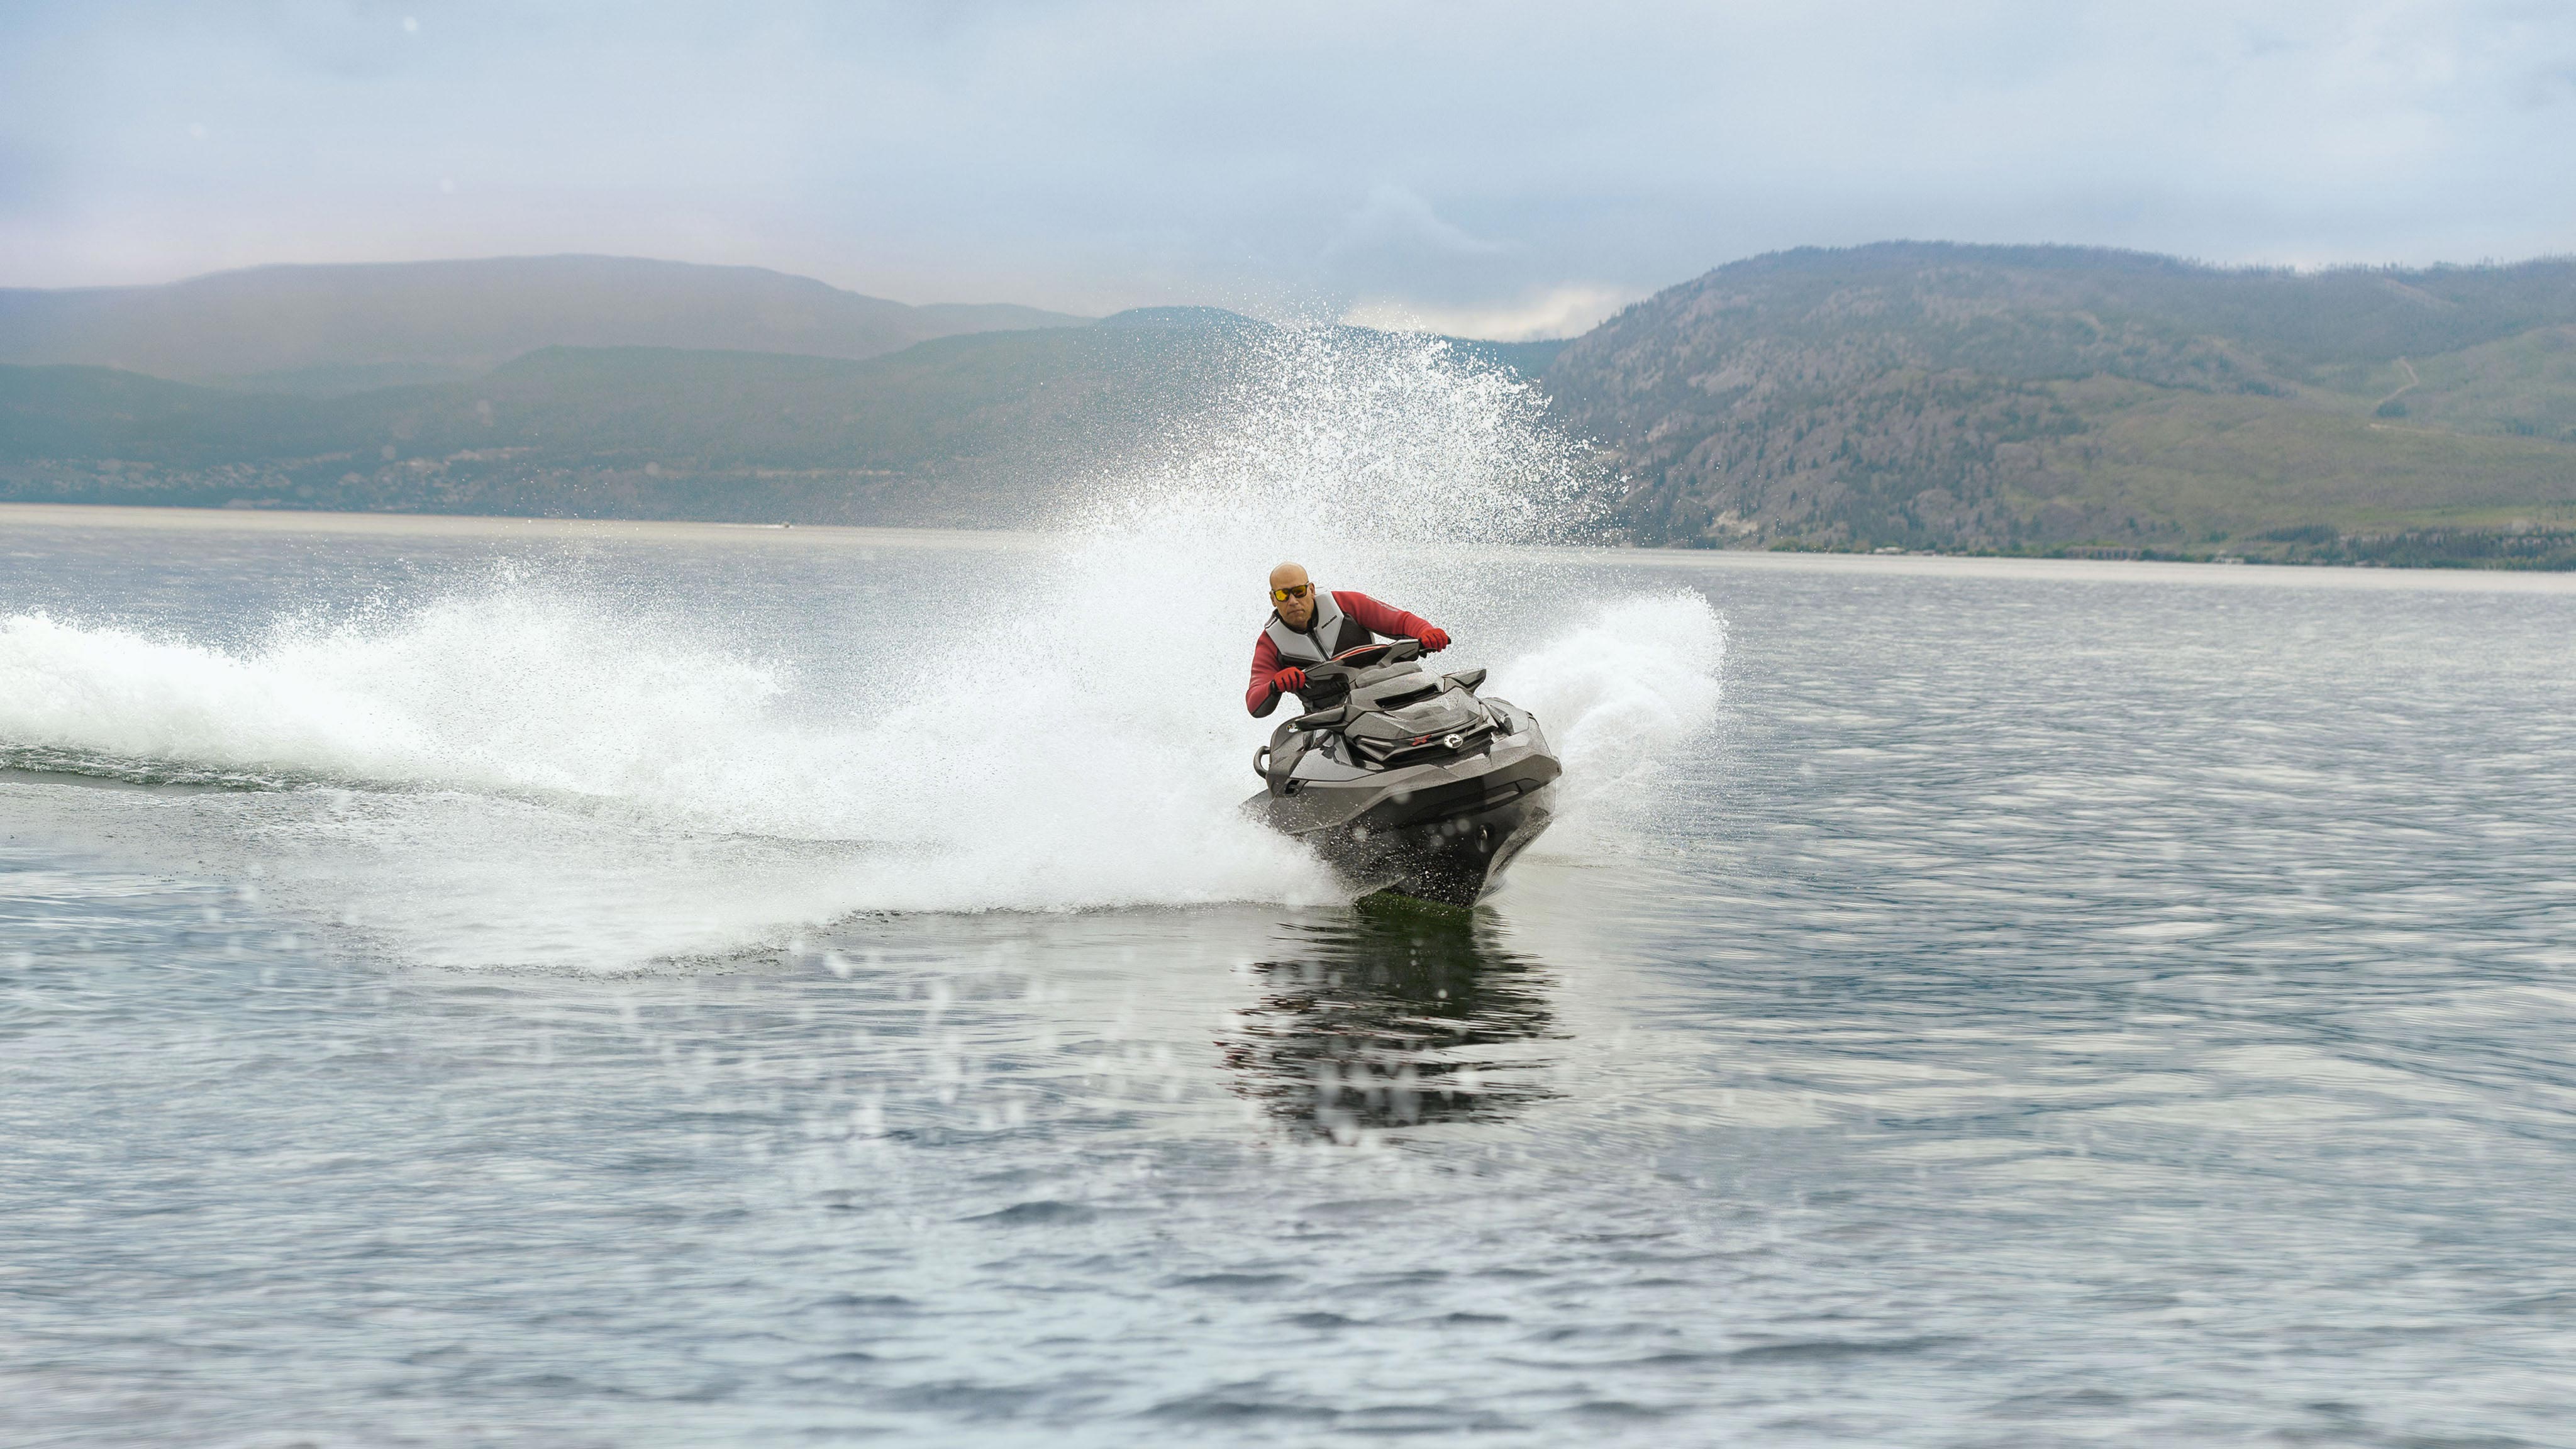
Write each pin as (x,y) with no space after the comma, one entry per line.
(963,430)
(1914,395)
(337,329)
(972,429)
(1899,396)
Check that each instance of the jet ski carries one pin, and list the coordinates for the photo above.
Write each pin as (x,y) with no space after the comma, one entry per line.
(1406,781)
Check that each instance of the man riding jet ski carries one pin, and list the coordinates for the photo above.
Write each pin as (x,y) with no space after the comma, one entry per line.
(1308,626)
(1405,781)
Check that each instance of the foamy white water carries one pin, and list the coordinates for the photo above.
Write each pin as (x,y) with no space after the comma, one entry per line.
(532,752)
(2036,1009)
(1064,734)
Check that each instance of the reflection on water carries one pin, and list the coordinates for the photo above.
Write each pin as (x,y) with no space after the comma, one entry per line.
(1392,1018)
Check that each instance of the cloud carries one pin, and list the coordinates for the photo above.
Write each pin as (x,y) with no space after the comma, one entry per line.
(1394,242)
(1371,153)
(1395,221)
(1557,312)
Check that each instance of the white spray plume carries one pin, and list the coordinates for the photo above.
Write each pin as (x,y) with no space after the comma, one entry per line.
(1086,747)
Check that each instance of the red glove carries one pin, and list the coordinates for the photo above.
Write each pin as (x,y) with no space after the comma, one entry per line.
(1434,640)
(1290,680)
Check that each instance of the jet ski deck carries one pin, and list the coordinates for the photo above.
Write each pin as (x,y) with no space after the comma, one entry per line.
(1410,782)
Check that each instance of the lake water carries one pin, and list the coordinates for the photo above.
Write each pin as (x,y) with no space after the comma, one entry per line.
(478,983)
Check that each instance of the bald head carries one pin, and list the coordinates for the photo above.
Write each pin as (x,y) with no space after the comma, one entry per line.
(1295,610)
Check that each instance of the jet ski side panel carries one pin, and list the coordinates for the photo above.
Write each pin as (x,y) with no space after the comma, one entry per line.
(1307,803)
(1439,830)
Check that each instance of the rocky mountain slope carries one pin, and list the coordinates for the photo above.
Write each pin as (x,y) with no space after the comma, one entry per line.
(2030,398)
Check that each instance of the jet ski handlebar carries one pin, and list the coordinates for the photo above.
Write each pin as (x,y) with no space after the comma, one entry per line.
(1385,651)
(1334,677)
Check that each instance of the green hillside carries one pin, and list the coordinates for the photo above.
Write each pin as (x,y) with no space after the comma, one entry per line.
(2039,398)
(974,429)
(330,330)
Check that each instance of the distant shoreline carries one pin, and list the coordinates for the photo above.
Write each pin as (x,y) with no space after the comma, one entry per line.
(2011,401)
(143,516)
(664,532)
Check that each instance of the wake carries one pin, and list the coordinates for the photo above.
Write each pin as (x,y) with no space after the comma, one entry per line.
(537,695)
(1077,748)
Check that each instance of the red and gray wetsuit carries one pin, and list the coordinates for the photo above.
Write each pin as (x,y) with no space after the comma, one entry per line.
(1343,620)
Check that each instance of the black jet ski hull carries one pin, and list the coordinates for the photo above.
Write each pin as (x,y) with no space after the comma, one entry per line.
(1440,832)
(1409,782)
(1449,861)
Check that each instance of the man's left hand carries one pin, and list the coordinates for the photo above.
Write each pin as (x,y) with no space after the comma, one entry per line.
(1434,640)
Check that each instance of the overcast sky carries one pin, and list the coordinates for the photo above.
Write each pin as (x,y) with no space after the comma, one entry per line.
(1499,168)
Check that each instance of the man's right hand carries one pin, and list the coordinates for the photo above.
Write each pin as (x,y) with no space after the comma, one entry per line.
(1291,680)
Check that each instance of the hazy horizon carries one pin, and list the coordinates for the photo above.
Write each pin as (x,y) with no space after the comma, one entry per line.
(1521,176)
(1384,316)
